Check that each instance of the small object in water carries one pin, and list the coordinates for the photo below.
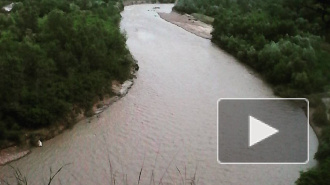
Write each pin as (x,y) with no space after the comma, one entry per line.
(39,143)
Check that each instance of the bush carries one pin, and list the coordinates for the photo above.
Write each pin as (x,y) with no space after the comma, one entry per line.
(320,116)
(316,176)
(204,18)
(321,173)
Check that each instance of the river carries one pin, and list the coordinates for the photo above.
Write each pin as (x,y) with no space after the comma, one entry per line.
(166,124)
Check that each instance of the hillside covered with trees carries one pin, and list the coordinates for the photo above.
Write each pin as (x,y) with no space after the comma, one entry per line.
(57,57)
(287,41)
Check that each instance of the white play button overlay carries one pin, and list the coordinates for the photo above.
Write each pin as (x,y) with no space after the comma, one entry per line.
(259,131)
(263,131)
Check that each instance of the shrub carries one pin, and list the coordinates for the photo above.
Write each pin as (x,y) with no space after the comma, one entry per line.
(316,176)
(320,116)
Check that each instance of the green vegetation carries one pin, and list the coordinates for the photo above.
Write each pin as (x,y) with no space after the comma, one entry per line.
(320,115)
(57,57)
(204,18)
(320,174)
(283,40)
(287,41)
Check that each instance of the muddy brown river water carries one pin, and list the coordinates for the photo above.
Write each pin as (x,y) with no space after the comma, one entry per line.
(166,124)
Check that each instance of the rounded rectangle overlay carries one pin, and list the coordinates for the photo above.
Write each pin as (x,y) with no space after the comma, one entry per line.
(242,120)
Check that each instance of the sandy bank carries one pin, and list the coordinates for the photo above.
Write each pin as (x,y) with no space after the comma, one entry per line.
(189,23)
(12,153)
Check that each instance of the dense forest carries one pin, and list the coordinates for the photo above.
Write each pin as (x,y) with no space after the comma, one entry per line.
(57,57)
(286,41)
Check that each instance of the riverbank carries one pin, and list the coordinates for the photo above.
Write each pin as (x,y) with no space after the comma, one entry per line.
(317,129)
(201,29)
(58,85)
(134,2)
(273,51)
(11,152)
(119,90)
(188,23)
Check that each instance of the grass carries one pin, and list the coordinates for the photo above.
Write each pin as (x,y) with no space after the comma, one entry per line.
(22,179)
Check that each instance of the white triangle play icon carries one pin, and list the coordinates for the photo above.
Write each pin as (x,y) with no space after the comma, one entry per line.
(259,131)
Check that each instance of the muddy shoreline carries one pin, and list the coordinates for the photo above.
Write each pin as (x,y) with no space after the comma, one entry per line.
(13,152)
